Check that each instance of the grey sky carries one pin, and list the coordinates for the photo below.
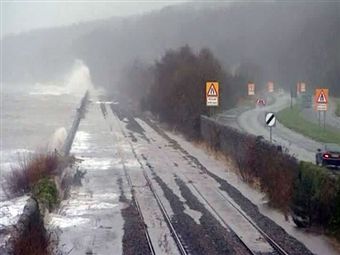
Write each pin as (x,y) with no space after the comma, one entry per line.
(19,16)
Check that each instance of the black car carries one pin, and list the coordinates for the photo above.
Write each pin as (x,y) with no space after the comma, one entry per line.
(330,156)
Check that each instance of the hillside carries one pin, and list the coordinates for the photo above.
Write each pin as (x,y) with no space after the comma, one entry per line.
(287,42)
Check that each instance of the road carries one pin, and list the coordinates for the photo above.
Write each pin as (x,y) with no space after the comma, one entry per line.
(252,121)
(144,192)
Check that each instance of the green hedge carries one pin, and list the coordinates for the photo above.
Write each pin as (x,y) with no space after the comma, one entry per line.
(316,198)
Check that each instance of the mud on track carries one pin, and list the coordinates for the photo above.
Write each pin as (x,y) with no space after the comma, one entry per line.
(208,237)
(134,239)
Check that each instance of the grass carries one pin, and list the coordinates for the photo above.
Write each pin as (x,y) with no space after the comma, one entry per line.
(337,108)
(293,119)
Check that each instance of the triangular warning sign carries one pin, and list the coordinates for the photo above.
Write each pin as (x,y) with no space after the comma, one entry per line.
(212,91)
(322,98)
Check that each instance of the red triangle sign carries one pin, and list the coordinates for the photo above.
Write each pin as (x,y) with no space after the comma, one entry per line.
(212,91)
(322,98)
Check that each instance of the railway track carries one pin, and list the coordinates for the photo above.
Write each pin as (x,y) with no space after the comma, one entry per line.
(146,232)
(276,247)
(129,181)
(274,244)
(179,243)
(181,247)
(221,218)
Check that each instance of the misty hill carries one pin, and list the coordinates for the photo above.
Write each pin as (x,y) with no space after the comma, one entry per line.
(287,41)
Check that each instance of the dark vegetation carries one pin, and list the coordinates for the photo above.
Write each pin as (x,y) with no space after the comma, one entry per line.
(284,41)
(177,93)
(317,197)
(45,191)
(174,87)
(311,193)
(30,170)
(256,160)
(30,236)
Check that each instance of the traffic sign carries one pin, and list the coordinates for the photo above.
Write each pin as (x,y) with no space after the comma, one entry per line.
(212,93)
(302,87)
(270,119)
(251,89)
(270,86)
(321,99)
(321,107)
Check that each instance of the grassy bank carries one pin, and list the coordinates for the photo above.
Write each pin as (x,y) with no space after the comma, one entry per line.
(337,107)
(292,118)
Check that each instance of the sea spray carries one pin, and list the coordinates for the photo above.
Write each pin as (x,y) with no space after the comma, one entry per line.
(76,82)
(57,140)
(79,80)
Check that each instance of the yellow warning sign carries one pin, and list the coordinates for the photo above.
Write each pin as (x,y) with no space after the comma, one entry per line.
(270,86)
(212,93)
(251,89)
(300,87)
(321,99)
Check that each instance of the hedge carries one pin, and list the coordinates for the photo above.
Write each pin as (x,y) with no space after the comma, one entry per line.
(311,193)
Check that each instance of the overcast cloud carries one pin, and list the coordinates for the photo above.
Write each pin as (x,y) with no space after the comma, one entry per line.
(20,16)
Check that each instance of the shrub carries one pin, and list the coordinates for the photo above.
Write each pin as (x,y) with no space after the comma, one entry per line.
(30,169)
(257,160)
(45,191)
(316,195)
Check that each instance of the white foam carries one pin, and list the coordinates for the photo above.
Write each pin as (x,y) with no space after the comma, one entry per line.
(75,83)
(57,140)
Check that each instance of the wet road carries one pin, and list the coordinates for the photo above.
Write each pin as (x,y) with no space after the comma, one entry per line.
(252,121)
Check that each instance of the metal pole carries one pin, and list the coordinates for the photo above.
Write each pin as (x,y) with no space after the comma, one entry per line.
(324,120)
(319,115)
(291,97)
(270,128)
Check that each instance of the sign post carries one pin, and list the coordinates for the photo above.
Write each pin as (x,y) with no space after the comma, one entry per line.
(270,121)
(321,104)
(212,95)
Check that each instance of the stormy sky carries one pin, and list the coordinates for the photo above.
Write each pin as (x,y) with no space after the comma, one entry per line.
(21,16)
